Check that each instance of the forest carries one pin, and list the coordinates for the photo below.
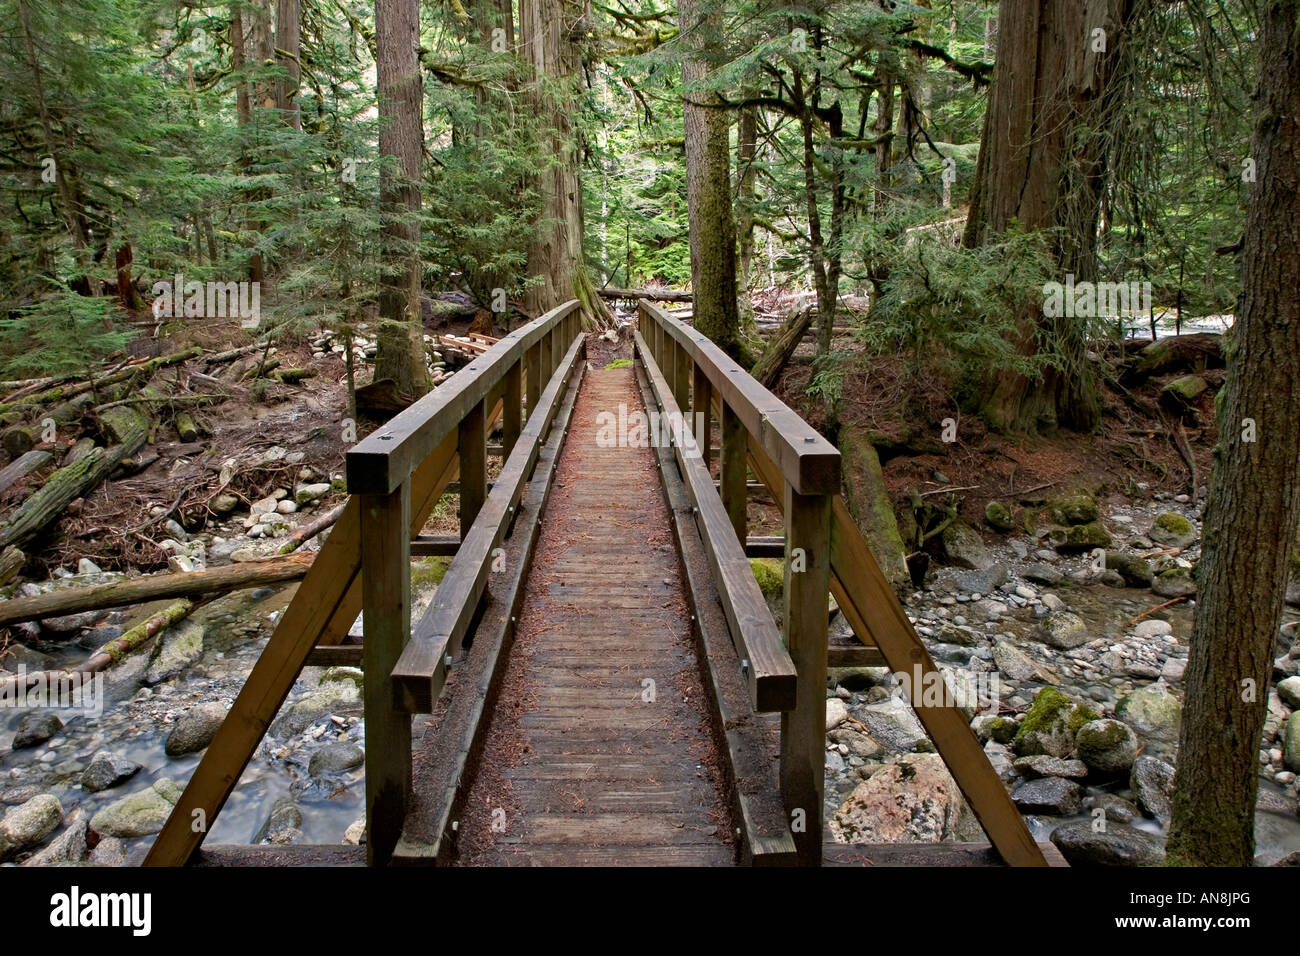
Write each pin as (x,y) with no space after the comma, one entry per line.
(1030,268)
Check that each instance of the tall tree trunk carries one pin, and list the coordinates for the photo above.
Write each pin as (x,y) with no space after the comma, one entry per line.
(401,143)
(288,33)
(1043,163)
(1254,502)
(708,187)
(549,35)
(747,191)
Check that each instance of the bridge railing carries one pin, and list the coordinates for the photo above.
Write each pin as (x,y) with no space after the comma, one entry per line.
(825,553)
(407,464)
(692,376)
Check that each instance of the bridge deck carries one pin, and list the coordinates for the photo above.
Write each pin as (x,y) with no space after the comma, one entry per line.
(585,760)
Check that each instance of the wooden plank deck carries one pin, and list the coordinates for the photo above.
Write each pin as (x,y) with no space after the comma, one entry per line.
(579,765)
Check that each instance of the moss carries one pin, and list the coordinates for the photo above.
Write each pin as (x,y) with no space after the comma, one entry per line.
(1078,508)
(998,516)
(1173,522)
(620,363)
(429,571)
(1002,730)
(1081,537)
(1048,708)
(1079,716)
(1107,735)
(769,574)
(868,500)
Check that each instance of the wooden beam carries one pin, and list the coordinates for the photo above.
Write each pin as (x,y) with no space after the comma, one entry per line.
(769,670)
(336,655)
(435,545)
(734,472)
(513,420)
(472,448)
(386,588)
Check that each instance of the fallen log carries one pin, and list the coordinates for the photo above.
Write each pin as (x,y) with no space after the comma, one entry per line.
(1175,353)
(781,346)
(11,562)
(22,467)
(310,530)
(153,587)
(61,488)
(64,392)
(654,295)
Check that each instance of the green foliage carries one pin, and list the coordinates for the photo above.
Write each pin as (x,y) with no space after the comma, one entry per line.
(63,334)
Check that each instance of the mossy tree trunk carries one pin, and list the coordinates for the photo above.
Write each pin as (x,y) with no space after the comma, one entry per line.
(1254,492)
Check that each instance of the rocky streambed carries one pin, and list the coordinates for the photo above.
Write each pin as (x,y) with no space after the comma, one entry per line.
(1080,671)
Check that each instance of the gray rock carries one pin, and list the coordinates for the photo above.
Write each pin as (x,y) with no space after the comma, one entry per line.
(336,758)
(1152,782)
(68,847)
(1041,765)
(912,801)
(312,492)
(1052,795)
(110,851)
(1041,573)
(1152,711)
(993,727)
(1115,808)
(1152,627)
(964,548)
(836,713)
(982,581)
(1173,530)
(97,637)
(1134,570)
(1274,716)
(333,697)
(892,724)
(1000,757)
(195,729)
(1107,746)
(283,826)
(107,770)
(1063,630)
(1291,742)
(28,824)
(139,814)
(1175,582)
(1116,845)
(34,728)
(181,647)
(1018,665)
(1289,691)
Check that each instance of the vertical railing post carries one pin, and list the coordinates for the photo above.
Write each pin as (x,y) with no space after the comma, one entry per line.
(472,448)
(386,600)
(803,730)
(734,467)
(682,378)
(533,372)
(702,420)
(512,413)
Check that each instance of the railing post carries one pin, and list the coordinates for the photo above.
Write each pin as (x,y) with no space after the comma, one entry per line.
(682,379)
(533,371)
(386,600)
(702,419)
(733,465)
(472,447)
(512,414)
(803,730)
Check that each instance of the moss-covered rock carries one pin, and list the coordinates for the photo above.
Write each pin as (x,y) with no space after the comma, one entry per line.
(1050,725)
(140,814)
(1180,395)
(1175,582)
(868,501)
(1062,629)
(998,517)
(1135,571)
(1152,711)
(963,547)
(1080,537)
(769,574)
(1172,529)
(1107,746)
(1077,508)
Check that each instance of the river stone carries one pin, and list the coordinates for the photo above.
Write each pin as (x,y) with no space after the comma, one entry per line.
(1289,691)
(283,826)
(330,698)
(1291,743)
(983,580)
(28,824)
(180,648)
(892,724)
(1172,530)
(998,517)
(1050,725)
(1041,765)
(993,727)
(1041,573)
(312,492)
(1175,582)
(1000,758)
(1152,627)
(1152,782)
(1274,716)
(1016,664)
(34,728)
(1053,795)
(1135,571)
(224,504)
(139,814)
(68,847)
(913,801)
(859,744)
(107,770)
(195,729)
(340,673)
(1152,711)
(1079,508)
(1079,537)
(963,547)
(1062,629)
(97,637)
(1107,746)
(836,713)
(109,851)
(1115,808)
(1117,845)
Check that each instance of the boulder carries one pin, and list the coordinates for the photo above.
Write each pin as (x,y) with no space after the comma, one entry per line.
(1079,508)
(1107,746)
(107,770)
(1291,742)
(34,728)
(1152,711)
(28,824)
(180,648)
(892,724)
(1174,582)
(984,580)
(1053,795)
(1172,530)
(992,727)
(1050,725)
(1115,845)
(283,826)
(1135,571)
(1063,630)
(1041,765)
(68,847)
(1152,627)
(195,729)
(912,801)
(836,713)
(139,814)
(998,517)
(1041,573)
(963,547)
(1289,692)
(1152,782)
(1079,537)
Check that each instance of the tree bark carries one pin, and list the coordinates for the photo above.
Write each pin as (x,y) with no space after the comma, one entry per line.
(1042,163)
(288,35)
(1254,502)
(708,186)
(401,136)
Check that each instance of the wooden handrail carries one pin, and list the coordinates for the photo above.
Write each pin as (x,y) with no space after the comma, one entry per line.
(808,461)
(380,462)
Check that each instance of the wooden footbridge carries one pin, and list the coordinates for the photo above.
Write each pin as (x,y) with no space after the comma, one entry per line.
(598,679)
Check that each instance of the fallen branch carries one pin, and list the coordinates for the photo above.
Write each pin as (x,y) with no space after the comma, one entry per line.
(1154,609)
(64,392)
(23,467)
(152,587)
(311,529)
